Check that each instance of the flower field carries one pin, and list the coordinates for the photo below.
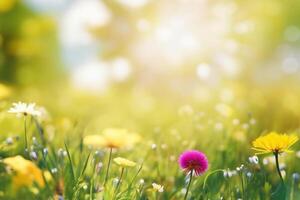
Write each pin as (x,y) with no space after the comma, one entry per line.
(129,151)
(149,100)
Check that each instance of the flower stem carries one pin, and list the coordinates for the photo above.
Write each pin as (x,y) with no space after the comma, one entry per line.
(208,175)
(277,166)
(25,136)
(188,187)
(243,187)
(119,182)
(108,165)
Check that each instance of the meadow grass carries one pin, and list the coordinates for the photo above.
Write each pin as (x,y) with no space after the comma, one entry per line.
(223,131)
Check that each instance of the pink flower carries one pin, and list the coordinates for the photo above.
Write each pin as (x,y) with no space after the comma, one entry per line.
(193,160)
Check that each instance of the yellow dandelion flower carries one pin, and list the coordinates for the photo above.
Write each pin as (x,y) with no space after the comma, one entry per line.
(123,162)
(112,138)
(26,172)
(117,138)
(94,141)
(274,143)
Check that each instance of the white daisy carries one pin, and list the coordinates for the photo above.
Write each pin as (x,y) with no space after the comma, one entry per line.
(24,109)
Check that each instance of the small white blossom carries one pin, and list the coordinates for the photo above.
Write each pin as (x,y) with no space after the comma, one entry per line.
(253,160)
(33,155)
(85,187)
(229,173)
(249,174)
(62,153)
(157,187)
(142,181)
(296,176)
(45,151)
(24,109)
(298,154)
(9,141)
(153,146)
(116,181)
(240,168)
(54,170)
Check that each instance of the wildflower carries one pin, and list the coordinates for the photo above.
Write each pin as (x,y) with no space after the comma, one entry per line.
(34,140)
(298,154)
(116,182)
(229,173)
(153,146)
(26,172)
(112,138)
(85,187)
(253,159)
(94,141)
(54,170)
(157,187)
(45,151)
(142,181)
(47,175)
(124,162)
(33,155)
(193,161)
(240,168)
(24,109)
(274,143)
(249,174)
(296,176)
(9,141)
(62,153)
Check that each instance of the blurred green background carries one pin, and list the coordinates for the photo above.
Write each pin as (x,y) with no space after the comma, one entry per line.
(140,56)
